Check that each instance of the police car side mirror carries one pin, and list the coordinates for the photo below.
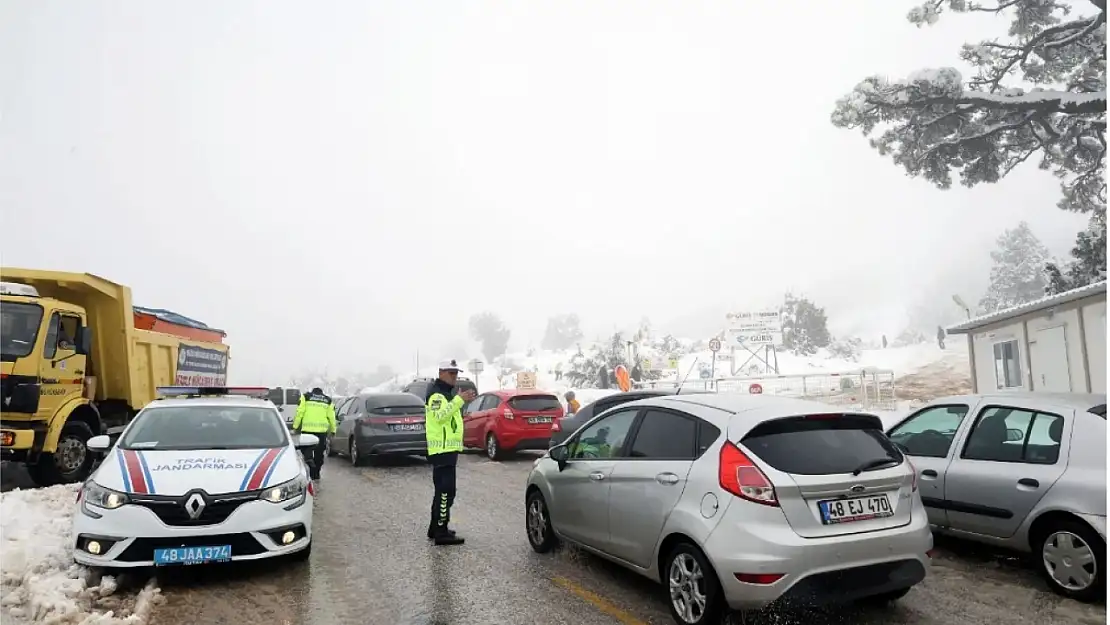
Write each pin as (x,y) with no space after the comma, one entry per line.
(559,454)
(100,442)
(307,440)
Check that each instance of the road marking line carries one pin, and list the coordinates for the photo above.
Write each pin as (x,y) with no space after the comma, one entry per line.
(599,602)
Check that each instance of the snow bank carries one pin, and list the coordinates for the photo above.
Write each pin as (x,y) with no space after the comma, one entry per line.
(39,582)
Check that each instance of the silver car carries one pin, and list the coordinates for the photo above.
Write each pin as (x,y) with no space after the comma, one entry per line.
(737,501)
(1026,471)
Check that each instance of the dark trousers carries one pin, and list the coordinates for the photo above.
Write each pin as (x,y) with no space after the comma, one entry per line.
(315,455)
(443,478)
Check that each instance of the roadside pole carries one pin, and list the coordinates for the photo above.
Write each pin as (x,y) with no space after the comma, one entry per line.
(714,346)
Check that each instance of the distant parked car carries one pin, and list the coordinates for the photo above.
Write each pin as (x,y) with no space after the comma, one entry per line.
(738,501)
(563,428)
(286,400)
(1027,472)
(374,424)
(505,421)
(340,404)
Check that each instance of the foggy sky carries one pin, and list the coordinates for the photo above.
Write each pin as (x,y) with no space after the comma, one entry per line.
(342,183)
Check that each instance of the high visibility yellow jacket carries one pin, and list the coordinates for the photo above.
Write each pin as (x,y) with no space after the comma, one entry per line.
(315,414)
(443,419)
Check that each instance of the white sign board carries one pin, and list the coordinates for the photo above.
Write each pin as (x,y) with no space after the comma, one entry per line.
(754,328)
(766,321)
(526,380)
(738,338)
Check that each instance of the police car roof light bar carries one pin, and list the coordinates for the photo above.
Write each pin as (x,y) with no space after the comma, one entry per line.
(210,391)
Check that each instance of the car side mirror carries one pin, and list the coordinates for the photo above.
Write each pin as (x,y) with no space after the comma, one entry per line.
(1014,435)
(100,442)
(559,454)
(307,440)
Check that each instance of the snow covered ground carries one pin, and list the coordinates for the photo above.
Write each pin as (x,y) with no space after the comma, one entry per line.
(903,361)
(39,583)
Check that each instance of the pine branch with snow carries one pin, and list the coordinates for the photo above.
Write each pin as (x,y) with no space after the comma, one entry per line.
(936,121)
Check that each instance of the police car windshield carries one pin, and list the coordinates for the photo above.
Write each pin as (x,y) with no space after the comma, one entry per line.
(206,427)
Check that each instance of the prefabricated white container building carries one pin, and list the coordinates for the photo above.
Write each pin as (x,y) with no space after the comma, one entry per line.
(1054,344)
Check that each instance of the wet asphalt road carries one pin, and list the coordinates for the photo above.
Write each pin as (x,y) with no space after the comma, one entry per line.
(371,563)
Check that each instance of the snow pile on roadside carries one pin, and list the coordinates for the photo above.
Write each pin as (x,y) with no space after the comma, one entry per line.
(39,582)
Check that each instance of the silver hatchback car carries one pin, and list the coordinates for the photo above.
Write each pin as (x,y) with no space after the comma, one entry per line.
(737,501)
(1020,470)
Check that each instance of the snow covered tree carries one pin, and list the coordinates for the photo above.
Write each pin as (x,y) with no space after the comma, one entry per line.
(1018,274)
(1088,262)
(563,331)
(935,121)
(804,326)
(847,348)
(488,329)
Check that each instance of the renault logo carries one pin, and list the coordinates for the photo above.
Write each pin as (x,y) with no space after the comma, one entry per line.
(195,505)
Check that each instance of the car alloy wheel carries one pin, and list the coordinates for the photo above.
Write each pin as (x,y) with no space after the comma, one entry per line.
(537,521)
(1069,561)
(687,586)
(354,451)
(491,446)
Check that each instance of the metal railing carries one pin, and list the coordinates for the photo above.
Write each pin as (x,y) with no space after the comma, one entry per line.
(864,389)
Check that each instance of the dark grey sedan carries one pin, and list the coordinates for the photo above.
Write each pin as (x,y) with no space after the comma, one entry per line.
(569,424)
(376,424)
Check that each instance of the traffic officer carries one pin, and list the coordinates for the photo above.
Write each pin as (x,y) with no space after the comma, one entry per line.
(315,415)
(443,428)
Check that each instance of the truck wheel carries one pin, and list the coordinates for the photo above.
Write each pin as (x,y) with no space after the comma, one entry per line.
(71,462)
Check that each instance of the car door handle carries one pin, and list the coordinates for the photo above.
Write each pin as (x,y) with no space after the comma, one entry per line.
(1028,481)
(667,478)
(928,473)
(597,476)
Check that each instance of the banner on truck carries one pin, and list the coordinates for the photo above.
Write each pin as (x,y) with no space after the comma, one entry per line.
(200,366)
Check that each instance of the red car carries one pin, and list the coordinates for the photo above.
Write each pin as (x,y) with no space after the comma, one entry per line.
(505,421)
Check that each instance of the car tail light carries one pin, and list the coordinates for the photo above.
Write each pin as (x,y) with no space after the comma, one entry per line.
(311,488)
(555,427)
(508,414)
(761,579)
(80,491)
(913,470)
(738,475)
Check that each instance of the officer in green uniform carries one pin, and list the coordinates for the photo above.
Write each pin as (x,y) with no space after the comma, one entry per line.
(315,415)
(443,428)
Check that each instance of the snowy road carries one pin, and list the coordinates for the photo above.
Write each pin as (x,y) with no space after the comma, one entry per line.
(372,564)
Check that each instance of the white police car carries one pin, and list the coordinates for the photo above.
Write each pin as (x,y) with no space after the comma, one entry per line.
(200,475)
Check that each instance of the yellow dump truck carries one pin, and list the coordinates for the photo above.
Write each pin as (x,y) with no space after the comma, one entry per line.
(77,359)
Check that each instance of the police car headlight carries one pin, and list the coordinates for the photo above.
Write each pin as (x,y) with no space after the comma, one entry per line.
(284,492)
(97,495)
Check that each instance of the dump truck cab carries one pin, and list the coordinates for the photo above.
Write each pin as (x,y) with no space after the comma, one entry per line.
(78,360)
(44,348)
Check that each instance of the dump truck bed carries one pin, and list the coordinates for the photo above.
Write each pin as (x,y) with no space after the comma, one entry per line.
(128,363)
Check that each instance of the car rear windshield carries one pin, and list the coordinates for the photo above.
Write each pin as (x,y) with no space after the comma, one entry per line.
(531,403)
(206,427)
(823,444)
(389,411)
